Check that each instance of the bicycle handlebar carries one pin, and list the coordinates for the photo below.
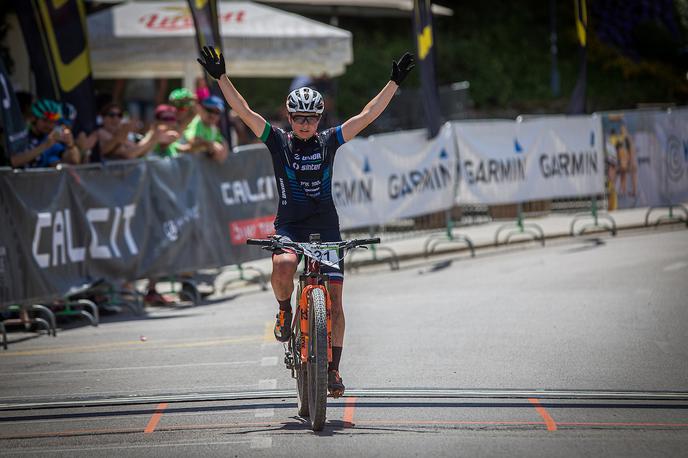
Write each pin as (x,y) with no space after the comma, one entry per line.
(276,243)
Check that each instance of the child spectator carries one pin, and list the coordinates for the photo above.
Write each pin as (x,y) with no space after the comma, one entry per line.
(203,134)
(167,128)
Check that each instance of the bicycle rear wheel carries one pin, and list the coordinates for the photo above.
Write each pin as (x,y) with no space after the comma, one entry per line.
(317,358)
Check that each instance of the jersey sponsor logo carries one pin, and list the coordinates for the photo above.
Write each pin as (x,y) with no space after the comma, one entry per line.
(307,167)
(55,242)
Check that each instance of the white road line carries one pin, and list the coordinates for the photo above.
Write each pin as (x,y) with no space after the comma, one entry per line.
(265,413)
(675,266)
(129,368)
(269,361)
(53,450)
(261,442)
(267,384)
(131,391)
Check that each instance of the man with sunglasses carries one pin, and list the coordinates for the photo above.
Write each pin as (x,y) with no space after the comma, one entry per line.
(303,160)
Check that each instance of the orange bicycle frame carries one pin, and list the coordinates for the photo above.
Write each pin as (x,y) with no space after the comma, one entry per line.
(303,314)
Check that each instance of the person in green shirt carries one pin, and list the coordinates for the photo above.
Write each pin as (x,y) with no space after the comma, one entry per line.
(185,102)
(202,135)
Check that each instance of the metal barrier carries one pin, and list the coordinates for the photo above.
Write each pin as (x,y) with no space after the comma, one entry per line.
(670,216)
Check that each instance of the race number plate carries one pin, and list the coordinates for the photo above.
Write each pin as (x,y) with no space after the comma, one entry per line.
(324,254)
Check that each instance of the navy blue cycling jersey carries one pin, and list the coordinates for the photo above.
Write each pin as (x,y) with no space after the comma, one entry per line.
(303,174)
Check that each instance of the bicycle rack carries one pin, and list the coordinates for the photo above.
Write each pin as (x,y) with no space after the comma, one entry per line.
(393,259)
(531,229)
(50,322)
(596,215)
(81,304)
(448,236)
(27,321)
(258,279)
(670,216)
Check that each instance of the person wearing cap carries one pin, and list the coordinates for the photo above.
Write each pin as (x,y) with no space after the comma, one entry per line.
(50,141)
(166,127)
(184,101)
(202,135)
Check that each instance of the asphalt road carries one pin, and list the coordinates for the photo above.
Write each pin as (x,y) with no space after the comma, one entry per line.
(578,348)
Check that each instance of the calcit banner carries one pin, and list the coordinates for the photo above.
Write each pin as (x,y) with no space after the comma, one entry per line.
(647,158)
(386,177)
(508,161)
(15,134)
(56,38)
(129,220)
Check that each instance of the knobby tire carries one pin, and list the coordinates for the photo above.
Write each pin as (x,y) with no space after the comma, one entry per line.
(317,360)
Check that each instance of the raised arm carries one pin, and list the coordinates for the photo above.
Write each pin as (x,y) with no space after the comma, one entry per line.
(215,66)
(375,107)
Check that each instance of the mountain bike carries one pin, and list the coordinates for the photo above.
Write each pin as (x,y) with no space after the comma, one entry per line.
(309,349)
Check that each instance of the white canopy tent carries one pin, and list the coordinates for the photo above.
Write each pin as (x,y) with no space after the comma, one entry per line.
(156,40)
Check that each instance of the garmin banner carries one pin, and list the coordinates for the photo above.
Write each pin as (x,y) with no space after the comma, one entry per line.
(129,220)
(509,161)
(399,175)
(647,157)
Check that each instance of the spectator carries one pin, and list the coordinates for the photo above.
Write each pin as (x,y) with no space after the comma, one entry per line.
(50,141)
(203,133)
(84,142)
(167,127)
(115,140)
(184,101)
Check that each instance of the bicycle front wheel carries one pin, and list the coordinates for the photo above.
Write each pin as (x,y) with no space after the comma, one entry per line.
(317,358)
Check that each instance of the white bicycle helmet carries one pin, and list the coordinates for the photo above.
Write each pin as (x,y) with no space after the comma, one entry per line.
(305,100)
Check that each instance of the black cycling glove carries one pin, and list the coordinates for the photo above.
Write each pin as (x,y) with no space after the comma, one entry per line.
(213,64)
(400,70)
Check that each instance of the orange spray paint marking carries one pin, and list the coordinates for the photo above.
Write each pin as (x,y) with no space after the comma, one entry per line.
(549,421)
(155,419)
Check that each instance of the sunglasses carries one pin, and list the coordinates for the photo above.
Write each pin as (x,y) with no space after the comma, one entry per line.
(300,119)
(213,112)
(114,114)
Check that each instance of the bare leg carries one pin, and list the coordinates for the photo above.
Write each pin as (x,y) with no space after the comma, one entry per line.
(282,279)
(337,314)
